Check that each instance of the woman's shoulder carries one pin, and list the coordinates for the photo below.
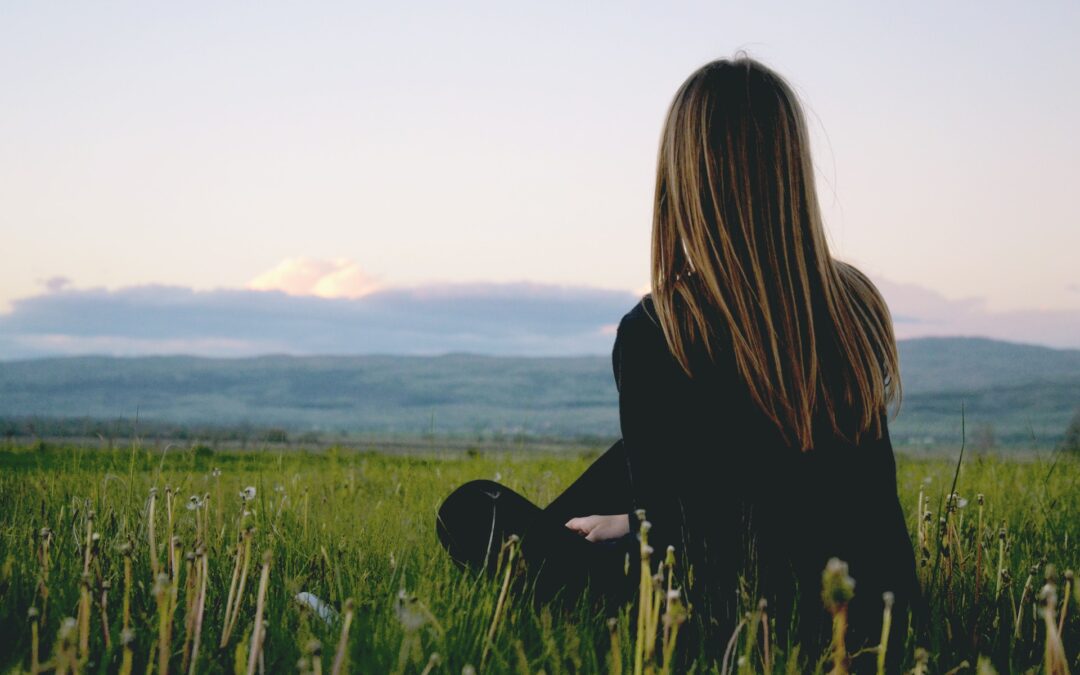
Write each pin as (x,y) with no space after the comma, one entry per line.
(641,325)
(642,316)
(639,337)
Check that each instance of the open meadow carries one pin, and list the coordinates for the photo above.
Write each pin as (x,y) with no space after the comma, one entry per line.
(139,560)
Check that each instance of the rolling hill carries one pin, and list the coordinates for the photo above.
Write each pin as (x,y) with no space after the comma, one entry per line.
(1013,394)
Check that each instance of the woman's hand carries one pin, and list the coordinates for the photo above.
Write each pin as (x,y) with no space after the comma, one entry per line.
(599,528)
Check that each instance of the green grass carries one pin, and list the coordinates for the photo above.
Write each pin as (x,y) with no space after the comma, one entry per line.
(346,524)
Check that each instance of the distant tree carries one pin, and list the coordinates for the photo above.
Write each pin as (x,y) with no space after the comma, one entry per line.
(276,435)
(1071,443)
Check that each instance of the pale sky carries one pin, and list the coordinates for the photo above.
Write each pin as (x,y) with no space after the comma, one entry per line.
(201,145)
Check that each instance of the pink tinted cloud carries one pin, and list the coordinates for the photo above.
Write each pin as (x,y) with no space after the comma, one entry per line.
(338,278)
(921,312)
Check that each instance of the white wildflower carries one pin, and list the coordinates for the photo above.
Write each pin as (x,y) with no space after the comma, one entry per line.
(409,611)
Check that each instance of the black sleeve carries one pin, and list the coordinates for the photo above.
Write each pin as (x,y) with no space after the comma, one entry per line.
(653,417)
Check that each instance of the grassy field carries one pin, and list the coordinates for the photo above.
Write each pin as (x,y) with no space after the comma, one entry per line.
(93,580)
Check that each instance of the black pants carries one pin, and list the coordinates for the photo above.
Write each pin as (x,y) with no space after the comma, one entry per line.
(479,516)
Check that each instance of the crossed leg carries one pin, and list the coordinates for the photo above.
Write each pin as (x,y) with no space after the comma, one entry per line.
(475,520)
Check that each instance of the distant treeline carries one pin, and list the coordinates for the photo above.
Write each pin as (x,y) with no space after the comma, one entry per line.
(119,430)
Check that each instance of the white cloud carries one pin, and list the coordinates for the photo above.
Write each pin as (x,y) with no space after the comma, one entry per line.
(338,278)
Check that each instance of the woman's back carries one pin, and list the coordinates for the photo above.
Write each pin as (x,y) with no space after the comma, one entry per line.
(753,386)
(720,483)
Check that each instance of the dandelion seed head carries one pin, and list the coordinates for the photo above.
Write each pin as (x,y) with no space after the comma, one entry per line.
(32,613)
(837,586)
(248,493)
(1050,573)
(409,611)
(888,598)
(468,669)
(216,473)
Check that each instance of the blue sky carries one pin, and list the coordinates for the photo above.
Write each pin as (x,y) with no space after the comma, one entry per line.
(334,150)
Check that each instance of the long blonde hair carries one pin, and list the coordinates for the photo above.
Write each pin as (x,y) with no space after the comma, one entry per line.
(739,252)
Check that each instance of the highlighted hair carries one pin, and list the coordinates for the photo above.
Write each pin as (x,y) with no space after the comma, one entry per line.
(739,253)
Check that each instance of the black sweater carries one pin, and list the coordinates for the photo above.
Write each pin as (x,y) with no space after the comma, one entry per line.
(717,482)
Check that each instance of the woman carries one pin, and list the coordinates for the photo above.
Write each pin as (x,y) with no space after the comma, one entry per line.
(753,385)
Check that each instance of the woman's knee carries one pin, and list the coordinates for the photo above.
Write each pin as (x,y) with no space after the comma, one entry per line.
(466,520)
(470,496)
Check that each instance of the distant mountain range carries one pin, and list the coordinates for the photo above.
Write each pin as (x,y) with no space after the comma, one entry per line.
(1012,394)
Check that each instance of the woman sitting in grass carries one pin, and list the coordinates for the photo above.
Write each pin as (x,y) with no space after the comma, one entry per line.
(753,386)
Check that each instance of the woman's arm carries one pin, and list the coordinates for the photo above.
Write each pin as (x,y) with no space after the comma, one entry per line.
(653,415)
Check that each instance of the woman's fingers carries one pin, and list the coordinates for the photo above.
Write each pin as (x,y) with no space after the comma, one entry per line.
(600,528)
(594,535)
(578,525)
